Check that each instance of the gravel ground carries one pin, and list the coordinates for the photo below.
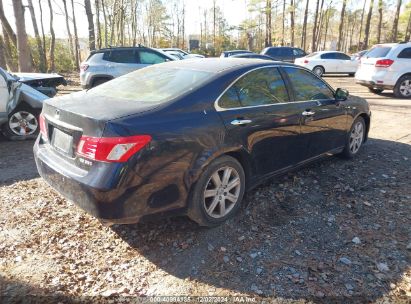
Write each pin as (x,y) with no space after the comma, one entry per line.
(335,231)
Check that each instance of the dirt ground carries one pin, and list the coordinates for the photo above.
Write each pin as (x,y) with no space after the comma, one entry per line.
(335,231)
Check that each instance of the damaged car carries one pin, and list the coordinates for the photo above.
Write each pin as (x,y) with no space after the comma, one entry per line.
(20,106)
(42,82)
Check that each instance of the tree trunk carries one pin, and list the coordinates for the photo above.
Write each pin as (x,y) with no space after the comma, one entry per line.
(395,23)
(105,23)
(304,31)
(73,58)
(283,34)
(268,23)
(52,66)
(76,45)
(340,28)
(91,34)
(214,27)
(313,46)
(23,49)
(359,48)
(6,25)
(367,26)
(42,65)
(326,27)
(292,14)
(10,61)
(97,4)
(408,30)
(320,24)
(43,36)
(379,21)
(183,26)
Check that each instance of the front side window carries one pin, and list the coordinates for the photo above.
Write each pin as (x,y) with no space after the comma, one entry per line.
(307,86)
(273,51)
(147,57)
(260,87)
(405,53)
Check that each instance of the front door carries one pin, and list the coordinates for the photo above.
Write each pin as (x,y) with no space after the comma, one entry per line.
(324,121)
(259,117)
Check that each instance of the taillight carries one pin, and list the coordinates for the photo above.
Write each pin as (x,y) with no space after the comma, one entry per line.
(306,61)
(43,128)
(111,149)
(384,63)
(84,67)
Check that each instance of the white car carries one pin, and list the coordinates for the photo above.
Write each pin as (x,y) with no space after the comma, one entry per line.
(387,67)
(328,62)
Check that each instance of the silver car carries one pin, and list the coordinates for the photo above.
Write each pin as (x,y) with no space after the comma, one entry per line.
(20,106)
(106,64)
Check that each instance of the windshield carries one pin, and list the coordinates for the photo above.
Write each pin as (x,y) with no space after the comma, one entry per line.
(152,85)
(378,52)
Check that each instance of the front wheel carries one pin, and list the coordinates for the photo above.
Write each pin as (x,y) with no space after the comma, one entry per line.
(218,193)
(355,138)
(22,124)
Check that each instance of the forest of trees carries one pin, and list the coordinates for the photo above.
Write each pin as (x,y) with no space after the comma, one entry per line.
(310,24)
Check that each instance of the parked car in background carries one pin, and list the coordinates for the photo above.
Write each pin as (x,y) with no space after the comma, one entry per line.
(191,136)
(252,56)
(181,54)
(105,64)
(387,67)
(20,106)
(283,53)
(234,52)
(357,56)
(328,62)
(45,83)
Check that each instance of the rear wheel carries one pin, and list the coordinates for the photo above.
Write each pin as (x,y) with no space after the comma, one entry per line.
(355,138)
(319,71)
(376,91)
(22,123)
(403,87)
(218,193)
(98,81)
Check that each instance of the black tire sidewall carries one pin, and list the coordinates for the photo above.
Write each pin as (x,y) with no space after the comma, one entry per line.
(196,209)
(321,68)
(11,135)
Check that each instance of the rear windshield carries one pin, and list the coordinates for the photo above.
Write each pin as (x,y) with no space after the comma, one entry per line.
(152,85)
(378,52)
(312,54)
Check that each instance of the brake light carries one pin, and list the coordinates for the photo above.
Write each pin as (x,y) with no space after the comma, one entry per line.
(306,61)
(43,128)
(84,67)
(384,63)
(111,149)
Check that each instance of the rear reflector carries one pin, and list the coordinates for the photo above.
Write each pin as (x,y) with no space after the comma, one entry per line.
(43,128)
(111,149)
(384,63)
(306,61)
(84,67)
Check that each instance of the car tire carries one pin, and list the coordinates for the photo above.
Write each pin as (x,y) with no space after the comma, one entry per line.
(98,81)
(355,138)
(212,201)
(375,91)
(23,123)
(319,71)
(402,88)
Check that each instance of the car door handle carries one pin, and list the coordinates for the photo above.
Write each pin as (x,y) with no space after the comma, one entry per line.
(240,122)
(308,113)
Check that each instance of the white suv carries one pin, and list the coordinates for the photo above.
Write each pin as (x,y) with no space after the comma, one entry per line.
(387,67)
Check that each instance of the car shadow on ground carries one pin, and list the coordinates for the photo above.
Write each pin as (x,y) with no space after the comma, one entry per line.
(334,230)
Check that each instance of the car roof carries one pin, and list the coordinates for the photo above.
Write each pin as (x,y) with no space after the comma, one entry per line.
(129,48)
(217,65)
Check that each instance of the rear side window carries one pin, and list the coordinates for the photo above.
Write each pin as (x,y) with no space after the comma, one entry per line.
(329,56)
(121,56)
(260,87)
(307,86)
(378,52)
(147,57)
(405,53)
(286,52)
(343,56)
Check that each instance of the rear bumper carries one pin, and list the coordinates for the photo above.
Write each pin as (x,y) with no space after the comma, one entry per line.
(372,84)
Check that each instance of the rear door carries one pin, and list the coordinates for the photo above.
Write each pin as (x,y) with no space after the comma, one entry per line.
(324,121)
(259,117)
(330,62)
(287,54)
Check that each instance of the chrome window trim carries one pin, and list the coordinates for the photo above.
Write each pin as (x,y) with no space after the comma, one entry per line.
(220,109)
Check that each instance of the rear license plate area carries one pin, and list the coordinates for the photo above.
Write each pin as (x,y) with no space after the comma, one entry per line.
(62,142)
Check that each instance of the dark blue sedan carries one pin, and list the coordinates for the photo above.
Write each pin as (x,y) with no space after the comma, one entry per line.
(191,136)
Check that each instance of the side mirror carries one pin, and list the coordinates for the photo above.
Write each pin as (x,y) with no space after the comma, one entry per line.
(341,94)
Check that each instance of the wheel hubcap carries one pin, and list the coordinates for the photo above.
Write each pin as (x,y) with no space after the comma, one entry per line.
(318,71)
(405,88)
(222,192)
(356,137)
(23,123)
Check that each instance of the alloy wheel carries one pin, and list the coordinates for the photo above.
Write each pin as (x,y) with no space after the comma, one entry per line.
(356,137)
(318,71)
(405,88)
(23,123)
(222,192)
